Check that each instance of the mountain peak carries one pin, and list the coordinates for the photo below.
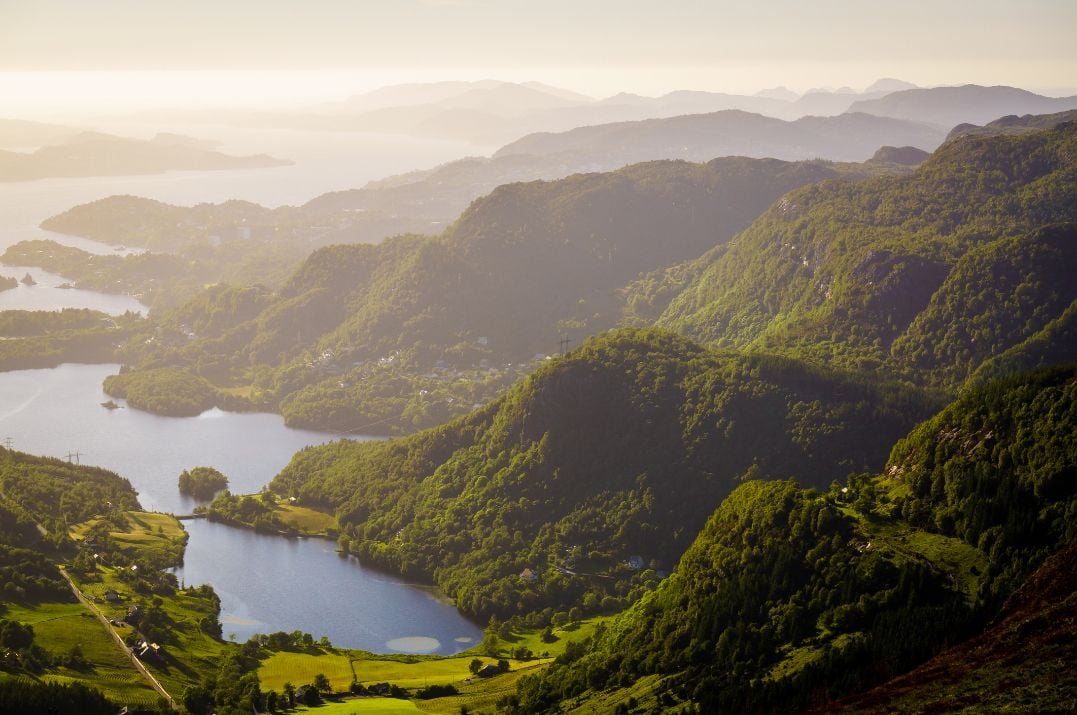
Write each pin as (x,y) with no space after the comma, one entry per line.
(889,84)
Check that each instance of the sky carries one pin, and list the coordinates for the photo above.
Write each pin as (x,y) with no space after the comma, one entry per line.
(209,52)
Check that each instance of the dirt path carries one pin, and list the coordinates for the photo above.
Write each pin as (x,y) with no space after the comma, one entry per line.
(119,641)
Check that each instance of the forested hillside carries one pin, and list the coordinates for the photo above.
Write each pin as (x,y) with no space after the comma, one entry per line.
(924,276)
(791,597)
(1023,658)
(39,491)
(415,330)
(620,450)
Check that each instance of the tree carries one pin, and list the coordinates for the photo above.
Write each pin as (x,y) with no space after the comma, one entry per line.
(475,666)
(311,696)
(202,482)
(322,684)
(16,635)
(490,642)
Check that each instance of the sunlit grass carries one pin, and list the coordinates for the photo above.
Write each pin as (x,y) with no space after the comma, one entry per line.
(364,706)
(58,627)
(306,520)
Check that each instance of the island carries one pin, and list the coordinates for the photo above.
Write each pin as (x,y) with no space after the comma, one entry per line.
(202,482)
(96,154)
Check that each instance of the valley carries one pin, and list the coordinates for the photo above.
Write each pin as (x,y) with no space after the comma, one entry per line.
(513,398)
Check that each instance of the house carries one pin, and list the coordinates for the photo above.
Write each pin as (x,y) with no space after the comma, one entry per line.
(528,575)
(134,615)
(111,596)
(487,670)
(146,650)
(635,562)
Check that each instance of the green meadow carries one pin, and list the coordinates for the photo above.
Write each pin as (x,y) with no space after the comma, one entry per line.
(59,627)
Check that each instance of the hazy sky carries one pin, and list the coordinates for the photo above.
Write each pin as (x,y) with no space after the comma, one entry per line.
(595,46)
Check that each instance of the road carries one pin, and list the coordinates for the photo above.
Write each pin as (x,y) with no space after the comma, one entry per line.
(119,641)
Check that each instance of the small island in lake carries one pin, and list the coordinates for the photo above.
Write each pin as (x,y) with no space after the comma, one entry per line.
(111,405)
(202,482)
(28,280)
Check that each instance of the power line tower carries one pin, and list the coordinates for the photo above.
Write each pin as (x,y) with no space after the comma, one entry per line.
(9,443)
(74,455)
(563,344)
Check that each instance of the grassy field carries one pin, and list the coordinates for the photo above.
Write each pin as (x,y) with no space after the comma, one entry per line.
(533,638)
(481,693)
(414,672)
(58,627)
(340,667)
(146,534)
(364,706)
(300,668)
(306,520)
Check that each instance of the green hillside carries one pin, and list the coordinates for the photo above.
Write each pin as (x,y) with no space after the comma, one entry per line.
(621,449)
(416,330)
(791,597)
(926,275)
(1022,662)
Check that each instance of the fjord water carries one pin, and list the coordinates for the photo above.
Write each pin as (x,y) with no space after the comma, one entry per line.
(269,584)
(324,161)
(57,412)
(266,583)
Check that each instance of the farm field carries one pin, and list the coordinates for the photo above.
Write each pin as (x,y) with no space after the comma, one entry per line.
(363,706)
(59,627)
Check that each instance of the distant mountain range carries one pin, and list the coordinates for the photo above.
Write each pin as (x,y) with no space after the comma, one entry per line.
(532,262)
(95,154)
(491,112)
(439,194)
(497,112)
(972,104)
(697,137)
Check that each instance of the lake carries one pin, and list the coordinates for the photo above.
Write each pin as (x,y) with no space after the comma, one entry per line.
(266,583)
